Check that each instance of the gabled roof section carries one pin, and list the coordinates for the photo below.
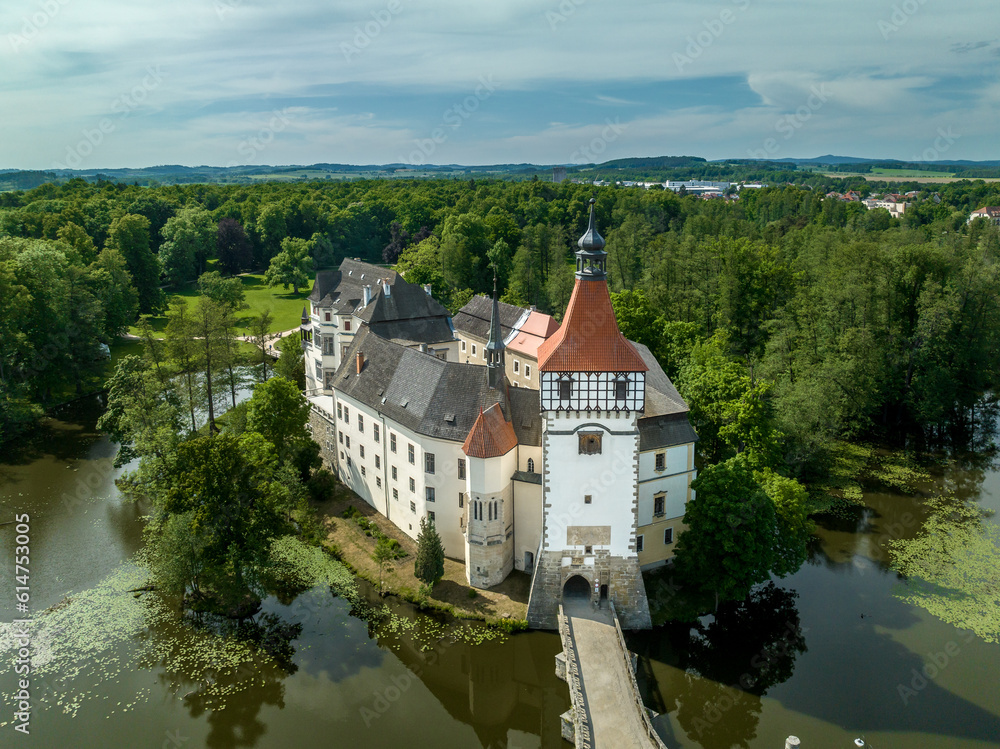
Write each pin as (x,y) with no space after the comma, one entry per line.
(661,395)
(418,391)
(343,289)
(491,436)
(589,339)
(405,301)
(474,318)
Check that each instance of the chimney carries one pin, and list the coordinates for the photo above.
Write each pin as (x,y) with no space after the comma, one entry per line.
(423,348)
(427,289)
(368,295)
(385,288)
(360,361)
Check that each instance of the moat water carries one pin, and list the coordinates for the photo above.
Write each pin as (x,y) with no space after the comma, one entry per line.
(822,655)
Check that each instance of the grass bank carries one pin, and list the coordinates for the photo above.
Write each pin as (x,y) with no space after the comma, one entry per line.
(349,542)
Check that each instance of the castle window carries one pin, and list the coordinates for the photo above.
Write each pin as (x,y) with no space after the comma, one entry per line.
(517,366)
(361,423)
(361,450)
(473,349)
(661,461)
(461,499)
(413,485)
(378,461)
(413,506)
(531,465)
(347,442)
(658,502)
(463,345)
(340,410)
(621,389)
(638,543)
(347,415)
(565,389)
(588,499)
(392,442)
(394,475)
(527,370)
(326,316)
(378,481)
(341,436)
(588,549)
(668,536)
(362,470)
(461,468)
(429,492)
(590,443)
(347,325)
(411,454)
(375,431)
(430,517)
(395,495)
(429,462)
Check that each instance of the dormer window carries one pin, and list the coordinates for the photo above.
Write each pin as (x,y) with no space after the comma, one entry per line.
(347,325)
(326,317)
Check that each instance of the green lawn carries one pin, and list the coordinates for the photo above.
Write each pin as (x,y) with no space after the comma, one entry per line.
(909,173)
(286,307)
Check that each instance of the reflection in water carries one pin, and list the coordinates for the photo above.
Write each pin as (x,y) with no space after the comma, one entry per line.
(723,667)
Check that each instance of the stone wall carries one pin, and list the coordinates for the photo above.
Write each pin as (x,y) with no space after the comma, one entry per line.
(621,575)
(324,434)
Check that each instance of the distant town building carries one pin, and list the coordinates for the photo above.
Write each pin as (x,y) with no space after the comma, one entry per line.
(990,213)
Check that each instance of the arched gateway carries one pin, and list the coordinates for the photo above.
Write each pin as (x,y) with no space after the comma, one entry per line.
(576,586)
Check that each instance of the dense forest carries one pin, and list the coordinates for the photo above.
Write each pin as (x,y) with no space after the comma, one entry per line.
(788,320)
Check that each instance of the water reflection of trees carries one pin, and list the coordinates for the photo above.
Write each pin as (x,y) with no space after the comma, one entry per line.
(725,664)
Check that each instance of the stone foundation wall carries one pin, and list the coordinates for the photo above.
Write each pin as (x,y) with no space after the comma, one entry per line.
(324,434)
(622,576)
(494,562)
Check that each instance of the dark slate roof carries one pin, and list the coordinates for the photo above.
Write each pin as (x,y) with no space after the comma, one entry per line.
(421,392)
(343,288)
(661,395)
(410,332)
(525,415)
(405,301)
(528,478)
(474,318)
(665,431)
(665,419)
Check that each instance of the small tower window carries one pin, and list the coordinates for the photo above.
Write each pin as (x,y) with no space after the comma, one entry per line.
(565,389)
(590,443)
(531,465)
(621,389)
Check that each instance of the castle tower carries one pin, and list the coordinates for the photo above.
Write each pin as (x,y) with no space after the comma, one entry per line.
(491,450)
(592,395)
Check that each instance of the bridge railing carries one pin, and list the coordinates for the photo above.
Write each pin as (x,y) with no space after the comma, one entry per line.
(581,723)
(647,723)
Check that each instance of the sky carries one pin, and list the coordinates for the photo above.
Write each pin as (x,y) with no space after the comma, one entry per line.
(95,83)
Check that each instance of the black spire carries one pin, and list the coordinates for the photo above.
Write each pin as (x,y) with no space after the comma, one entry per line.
(591,257)
(495,347)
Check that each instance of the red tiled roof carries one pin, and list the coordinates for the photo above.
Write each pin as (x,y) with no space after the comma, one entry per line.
(491,436)
(589,339)
(533,333)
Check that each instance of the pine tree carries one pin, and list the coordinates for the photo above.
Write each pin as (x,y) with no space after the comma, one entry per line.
(429,566)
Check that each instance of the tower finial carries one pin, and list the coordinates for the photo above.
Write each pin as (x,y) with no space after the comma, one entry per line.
(591,257)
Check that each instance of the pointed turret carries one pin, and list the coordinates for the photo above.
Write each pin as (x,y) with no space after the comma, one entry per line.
(495,347)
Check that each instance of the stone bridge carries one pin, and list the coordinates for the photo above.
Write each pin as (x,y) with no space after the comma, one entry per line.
(607,710)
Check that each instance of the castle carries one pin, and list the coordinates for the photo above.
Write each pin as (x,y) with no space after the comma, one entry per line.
(562,451)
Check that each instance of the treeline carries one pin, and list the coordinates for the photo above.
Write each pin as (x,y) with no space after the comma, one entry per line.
(827,319)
